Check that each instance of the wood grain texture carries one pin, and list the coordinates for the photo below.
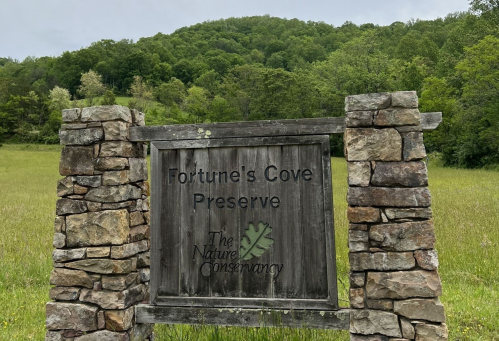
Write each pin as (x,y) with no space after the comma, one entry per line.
(304,126)
(315,319)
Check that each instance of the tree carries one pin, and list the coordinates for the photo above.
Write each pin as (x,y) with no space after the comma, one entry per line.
(171,93)
(91,86)
(487,8)
(108,98)
(60,99)
(141,92)
(197,103)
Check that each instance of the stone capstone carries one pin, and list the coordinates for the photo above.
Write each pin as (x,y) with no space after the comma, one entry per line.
(431,332)
(102,266)
(359,119)
(115,130)
(76,161)
(403,236)
(69,278)
(368,144)
(113,193)
(359,173)
(406,174)
(367,102)
(397,117)
(71,115)
(403,284)
(368,322)
(427,259)
(64,293)
(80,137)
(97,228)
(413,146)
(119,320)
(420,309)
(405,99)
(113,299)
(79,317)
(138,117)
(386,196)
(382,261)
(106,113)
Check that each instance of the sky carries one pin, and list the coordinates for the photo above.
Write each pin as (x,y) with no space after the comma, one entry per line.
(49,27)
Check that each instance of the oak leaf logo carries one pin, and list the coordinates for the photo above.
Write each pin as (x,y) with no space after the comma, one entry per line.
(255,242)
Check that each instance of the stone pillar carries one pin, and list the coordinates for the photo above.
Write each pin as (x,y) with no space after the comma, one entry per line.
(101,239)
(394,284)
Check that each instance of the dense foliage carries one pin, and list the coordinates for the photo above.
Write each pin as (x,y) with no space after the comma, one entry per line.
(270,68)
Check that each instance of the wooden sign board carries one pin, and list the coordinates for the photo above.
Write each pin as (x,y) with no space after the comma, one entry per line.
(243,223)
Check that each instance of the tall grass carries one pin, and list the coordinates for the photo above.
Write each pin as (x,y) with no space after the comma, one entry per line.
(466,210)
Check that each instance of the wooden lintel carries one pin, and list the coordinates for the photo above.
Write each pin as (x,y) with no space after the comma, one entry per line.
(305,126)
(315,319)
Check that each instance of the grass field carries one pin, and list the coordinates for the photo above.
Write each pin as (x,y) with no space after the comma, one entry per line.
(466,210)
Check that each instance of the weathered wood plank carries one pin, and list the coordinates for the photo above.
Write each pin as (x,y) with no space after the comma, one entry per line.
(155,223)
(304,126)
(315,319)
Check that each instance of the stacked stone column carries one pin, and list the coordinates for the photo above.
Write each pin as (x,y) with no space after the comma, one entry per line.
(394,284)
(101,239)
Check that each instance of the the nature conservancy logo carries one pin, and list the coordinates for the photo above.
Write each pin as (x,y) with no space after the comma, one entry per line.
(221,255)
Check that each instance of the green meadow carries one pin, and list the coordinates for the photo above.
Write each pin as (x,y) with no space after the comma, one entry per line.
(466,211)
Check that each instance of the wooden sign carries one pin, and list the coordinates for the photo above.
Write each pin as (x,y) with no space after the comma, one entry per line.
(243,222)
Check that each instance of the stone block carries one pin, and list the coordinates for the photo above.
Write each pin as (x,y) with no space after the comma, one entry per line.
(64,293)
(386,305)
(143,260)
(136,218)
(356,337)
(358,240)
(89,181)
(98,252)
(355,119)
(138,118)
(408,129)
(403,236)
(70,254)
(102,335)
(147,217)
(363,214)
(138,169)
(113,299)
(381,261)
(97,228)
(357,227)
(405,99)
(400,174)
(368,144)
(403,284)
(80,190)
(413,146)
(431,332)
(113,194)
(69,278)
(141,331)
(145,275)
(368,322)
(427,259)
(80,317)
(407,329)
(386,196)
(106,113)
(145,188)
(116,149)
(71,115)
(139,233)
(114,178)
(111,163)
(408,213)
(359,173)
(115,130)
(367,102)
(76,160)
(74,126)
(102,266)
(119,320)
(59,240)
(81,137)
(119,282)
(357,279)
(357,298)
(94,206)
(65,186)
(59,224)
(420,309)
(142,205)
(397,117)
(128,250)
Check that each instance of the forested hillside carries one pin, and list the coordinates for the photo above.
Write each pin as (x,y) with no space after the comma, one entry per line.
(264,67)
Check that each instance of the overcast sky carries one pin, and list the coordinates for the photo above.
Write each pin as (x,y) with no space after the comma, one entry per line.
(49,27)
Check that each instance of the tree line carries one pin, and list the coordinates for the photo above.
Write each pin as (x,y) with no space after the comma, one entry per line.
(263,67)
